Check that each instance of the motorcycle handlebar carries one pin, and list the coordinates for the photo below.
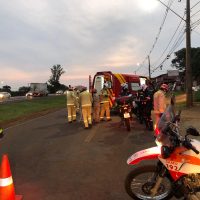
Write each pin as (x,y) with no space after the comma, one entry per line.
(188,145)
(194,149)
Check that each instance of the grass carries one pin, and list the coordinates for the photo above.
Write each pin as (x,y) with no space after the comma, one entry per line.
(197,96)
(15,110)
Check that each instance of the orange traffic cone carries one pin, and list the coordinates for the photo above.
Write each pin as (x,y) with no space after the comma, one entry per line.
(7,190)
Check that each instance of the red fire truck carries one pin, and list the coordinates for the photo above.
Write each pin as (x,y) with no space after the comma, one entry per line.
(114,81)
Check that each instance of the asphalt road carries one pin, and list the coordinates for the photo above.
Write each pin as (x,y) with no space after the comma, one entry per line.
(53,160)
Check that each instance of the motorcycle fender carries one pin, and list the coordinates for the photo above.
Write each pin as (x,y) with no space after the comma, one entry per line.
(146,154)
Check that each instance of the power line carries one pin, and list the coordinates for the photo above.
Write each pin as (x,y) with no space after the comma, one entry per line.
(179,39)
(170,40)
(160,29)
(171,10)
(175,46)
(195,24)
(195,13)
(195,4)
(158,34)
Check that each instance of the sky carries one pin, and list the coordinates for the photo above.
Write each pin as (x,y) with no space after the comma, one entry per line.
(87,36)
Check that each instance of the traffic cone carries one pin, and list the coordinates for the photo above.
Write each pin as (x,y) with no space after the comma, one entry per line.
(7,190)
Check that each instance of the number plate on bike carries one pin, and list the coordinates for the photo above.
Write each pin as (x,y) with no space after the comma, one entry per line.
(126,115)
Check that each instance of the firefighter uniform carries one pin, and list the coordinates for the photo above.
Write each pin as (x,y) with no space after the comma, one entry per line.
(105,107)
(76,93)
(96,107)
(159,101)
(85,100)
(71,105)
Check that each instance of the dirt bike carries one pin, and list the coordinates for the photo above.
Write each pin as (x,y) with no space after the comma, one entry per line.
(177,172)
(146,114)
(125,110)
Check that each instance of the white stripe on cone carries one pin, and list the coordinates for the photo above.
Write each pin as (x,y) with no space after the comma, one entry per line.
(6,181)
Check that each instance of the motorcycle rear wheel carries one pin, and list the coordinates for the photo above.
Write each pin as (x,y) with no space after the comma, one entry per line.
(138,184)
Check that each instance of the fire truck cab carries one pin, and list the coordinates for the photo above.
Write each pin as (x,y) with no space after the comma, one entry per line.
(114,81)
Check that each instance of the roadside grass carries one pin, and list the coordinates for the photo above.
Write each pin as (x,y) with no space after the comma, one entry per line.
(197,96)
(23,109)
(15,110)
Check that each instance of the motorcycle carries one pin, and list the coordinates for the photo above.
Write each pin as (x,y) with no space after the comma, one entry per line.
(146,114)
(177,172)
(125,110)
(143,110)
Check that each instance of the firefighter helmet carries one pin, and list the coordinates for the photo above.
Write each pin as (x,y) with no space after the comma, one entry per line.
(144,87)
(124,86)
(105,85)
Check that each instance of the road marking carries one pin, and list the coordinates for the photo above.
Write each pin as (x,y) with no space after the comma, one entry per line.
(91,135)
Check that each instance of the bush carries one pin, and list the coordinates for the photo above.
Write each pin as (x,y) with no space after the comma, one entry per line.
(197,96)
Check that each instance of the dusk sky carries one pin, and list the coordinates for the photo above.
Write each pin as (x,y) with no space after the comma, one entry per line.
(86,36)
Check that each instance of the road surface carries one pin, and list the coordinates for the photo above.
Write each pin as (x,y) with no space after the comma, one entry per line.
(53,160)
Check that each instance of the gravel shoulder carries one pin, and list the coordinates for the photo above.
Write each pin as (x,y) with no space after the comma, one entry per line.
(190,117)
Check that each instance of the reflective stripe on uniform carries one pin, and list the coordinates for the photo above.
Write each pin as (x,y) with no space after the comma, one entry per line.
(86,105)
(6,181)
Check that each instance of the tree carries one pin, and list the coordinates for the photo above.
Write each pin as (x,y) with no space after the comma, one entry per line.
(56,71)
(6,88)
(179,62)
(24,89)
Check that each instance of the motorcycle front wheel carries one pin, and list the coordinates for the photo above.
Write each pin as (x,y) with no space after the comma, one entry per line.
(139,182)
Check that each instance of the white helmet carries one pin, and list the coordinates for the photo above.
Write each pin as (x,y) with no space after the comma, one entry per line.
(124,86)
(144,87)
(105,85)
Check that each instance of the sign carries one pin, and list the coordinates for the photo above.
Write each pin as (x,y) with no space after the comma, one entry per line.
(172,72)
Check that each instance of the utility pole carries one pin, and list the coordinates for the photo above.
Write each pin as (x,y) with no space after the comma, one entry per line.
(189,99)
(149,68)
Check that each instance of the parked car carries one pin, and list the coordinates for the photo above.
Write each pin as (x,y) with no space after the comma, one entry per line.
(59,92)
(29,94)
(5,95)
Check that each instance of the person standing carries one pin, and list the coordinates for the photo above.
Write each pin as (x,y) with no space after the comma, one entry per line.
(1,132)
(159,102)
(105,107)
(71,105)
(85,101)
(76,93)
(96,106)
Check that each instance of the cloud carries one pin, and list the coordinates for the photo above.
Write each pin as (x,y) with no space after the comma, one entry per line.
(83,36)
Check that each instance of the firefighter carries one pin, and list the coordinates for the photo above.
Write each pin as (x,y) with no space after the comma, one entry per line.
(147,105)
(1,132)
(105,107)
(85,101)
(71,105)
(159,102)
(96,106)
(124,89)
(76,93)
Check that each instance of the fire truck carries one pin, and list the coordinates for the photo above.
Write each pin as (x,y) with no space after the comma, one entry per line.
(114,81)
